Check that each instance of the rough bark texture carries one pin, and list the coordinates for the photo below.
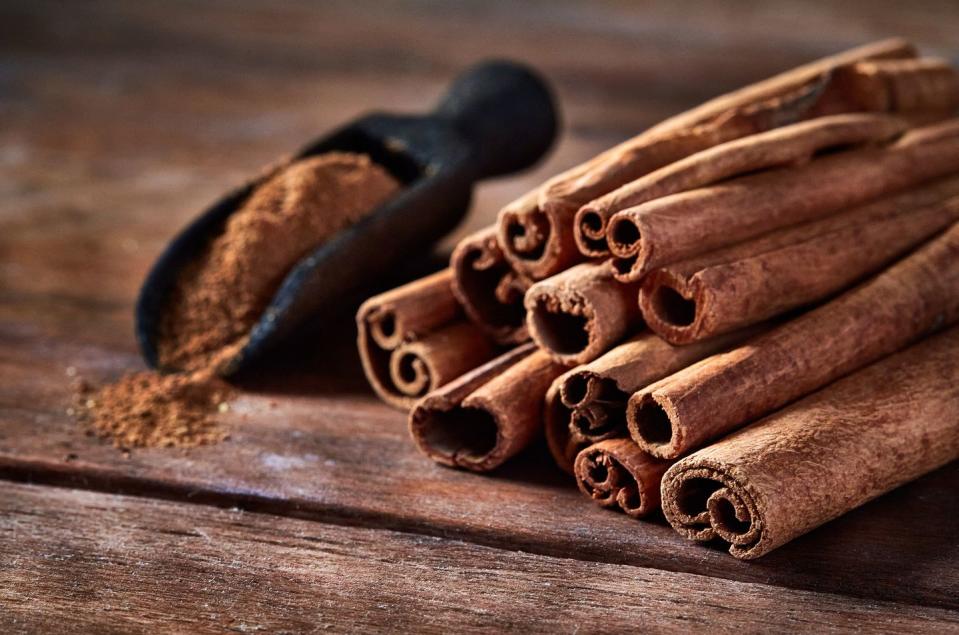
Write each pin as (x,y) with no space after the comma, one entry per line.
(688,224)
(486,416)
(744,284)
(918,90)
(916,296)
(536,232)
(578,314)
(588,403)
(775,148)
(488,288)
(617,473)
(823,456)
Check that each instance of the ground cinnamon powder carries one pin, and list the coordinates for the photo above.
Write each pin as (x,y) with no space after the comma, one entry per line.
(220,296)
(148,409)
(224,292)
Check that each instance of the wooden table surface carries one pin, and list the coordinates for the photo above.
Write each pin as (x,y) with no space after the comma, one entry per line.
(120,120)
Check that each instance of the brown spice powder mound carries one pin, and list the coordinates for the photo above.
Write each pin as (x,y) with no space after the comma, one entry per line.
(223,293)
(147,409)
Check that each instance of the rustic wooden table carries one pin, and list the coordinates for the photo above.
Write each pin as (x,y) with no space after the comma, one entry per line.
(120,120)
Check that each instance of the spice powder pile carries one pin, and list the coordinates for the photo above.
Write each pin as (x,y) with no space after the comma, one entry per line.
(220,296)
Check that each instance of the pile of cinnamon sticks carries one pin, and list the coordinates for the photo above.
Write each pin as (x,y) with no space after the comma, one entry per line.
(743,316)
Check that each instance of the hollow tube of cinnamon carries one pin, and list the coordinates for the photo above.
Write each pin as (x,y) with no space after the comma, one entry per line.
(588,403)
(488,288)
(536,231)
(616,473)
(752,281)
(909,300)
(691,223)
(580,313)
(487,416)
(775,148)
(824,455)
(424,364)
(409,313)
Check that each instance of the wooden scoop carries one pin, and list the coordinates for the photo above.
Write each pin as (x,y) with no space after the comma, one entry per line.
(496,118)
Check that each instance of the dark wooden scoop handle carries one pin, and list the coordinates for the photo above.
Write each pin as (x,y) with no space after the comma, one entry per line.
(505,112)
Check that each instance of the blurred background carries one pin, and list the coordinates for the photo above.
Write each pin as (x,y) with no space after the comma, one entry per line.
(121,120)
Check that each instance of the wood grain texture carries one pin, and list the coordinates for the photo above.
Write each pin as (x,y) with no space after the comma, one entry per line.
(303,446)
(171,567)
(123,120)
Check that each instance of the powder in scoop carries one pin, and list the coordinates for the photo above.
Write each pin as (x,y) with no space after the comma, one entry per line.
(222,294)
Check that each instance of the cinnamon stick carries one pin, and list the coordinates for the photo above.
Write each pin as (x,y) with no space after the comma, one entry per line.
(616,473)
(421,365)
(588,403)
(485,417)
(899,85)
(488,288)
(912,298)
(536,232)
(688,224)
(578,314)
(823,456)
(426,313)
(779,147)
(752,281)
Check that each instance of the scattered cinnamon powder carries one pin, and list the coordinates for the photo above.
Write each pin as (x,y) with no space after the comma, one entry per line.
(221,295)
(148,409)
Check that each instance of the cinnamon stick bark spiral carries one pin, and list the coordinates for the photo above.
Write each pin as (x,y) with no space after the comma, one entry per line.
(823,456)
(912,298)
(779,147)
(485,417)
(752,281)
(691,223)
(413,339)
(536,231)
(488,288)
(421,365)
(616,473)
(588,403)
(580,313)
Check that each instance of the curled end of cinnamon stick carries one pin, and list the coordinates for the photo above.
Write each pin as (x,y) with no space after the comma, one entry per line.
(537,239)
(650,419)
(625,238)
(673,307)
(381,322)
(589,231)
(616,473)
(480,420)
(580,387)
(376,357)
(490,291)
(703,502)
(579,314)
(411,370)
(456,436)
(414,338)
